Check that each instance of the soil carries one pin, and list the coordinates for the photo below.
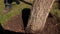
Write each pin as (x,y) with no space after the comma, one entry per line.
(14,24)
(52,25)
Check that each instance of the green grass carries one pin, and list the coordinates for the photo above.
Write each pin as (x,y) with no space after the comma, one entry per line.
(16,9)
(55,10)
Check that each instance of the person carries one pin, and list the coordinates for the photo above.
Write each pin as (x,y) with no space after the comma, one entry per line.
(8,3)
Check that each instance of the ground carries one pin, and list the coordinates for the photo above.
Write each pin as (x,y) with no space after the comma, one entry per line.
(52,26)
(13,15)
(16,9)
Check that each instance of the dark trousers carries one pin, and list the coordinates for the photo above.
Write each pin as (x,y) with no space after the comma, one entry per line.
(9,2)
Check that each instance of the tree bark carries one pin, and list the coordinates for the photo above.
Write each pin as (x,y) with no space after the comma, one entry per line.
(39,13)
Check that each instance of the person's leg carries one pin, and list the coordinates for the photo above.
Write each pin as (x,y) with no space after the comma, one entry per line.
(7,4)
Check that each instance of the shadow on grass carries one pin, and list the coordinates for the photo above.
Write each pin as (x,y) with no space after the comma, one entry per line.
(23,2)
(26,2)
(59,4)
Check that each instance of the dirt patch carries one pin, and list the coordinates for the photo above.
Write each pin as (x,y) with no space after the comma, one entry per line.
(52,26)
(14,24)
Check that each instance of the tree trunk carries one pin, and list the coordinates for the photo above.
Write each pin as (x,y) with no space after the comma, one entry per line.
(37,20)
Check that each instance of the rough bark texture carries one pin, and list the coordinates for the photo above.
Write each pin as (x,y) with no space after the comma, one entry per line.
(41,9)
(51,26)
(14,24)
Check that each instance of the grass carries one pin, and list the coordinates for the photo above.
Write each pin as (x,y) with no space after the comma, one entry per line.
(16,9)
(55,10)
